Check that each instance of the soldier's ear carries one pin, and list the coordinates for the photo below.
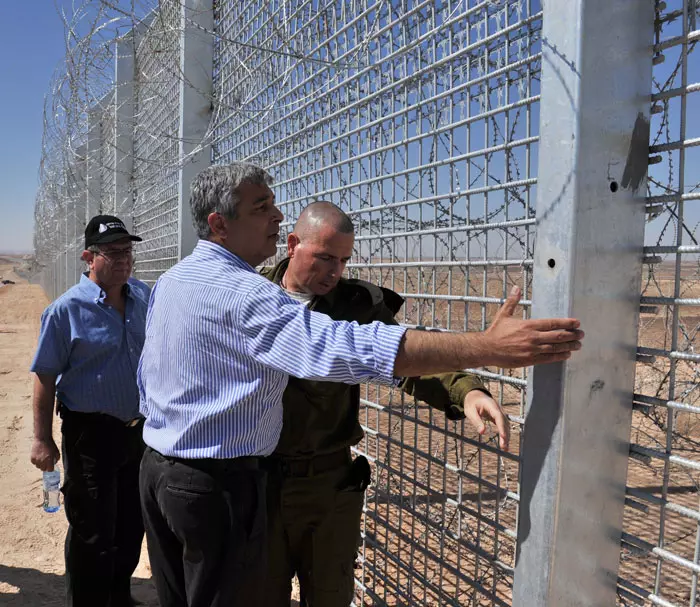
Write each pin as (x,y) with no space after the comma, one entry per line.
(292,243)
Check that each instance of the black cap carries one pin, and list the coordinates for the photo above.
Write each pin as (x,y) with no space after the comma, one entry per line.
(102,229)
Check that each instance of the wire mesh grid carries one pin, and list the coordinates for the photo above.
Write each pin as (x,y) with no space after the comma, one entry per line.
(156,143)
(420,120)
(660,558)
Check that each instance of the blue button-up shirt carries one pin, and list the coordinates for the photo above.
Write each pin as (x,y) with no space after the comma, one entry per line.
(93,350)
(221,342)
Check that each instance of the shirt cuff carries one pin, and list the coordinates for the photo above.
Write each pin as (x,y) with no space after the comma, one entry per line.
(388,338)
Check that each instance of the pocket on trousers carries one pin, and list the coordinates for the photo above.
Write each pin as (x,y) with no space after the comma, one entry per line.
(71,502)
(186,482)
(72,433)
(187,491)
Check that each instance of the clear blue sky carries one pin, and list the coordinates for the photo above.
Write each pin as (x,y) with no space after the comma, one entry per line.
(31,45)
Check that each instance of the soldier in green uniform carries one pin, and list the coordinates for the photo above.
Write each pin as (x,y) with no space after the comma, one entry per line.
(315,489)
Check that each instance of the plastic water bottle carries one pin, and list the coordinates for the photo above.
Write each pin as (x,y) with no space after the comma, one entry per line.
(52,485)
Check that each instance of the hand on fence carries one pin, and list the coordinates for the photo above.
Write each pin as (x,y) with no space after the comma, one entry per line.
(479,408)
(515,342)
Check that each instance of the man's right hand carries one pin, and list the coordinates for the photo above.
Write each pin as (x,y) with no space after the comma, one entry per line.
(513,342)
(45,454)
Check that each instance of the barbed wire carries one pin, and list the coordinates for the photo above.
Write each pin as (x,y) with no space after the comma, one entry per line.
(87,77)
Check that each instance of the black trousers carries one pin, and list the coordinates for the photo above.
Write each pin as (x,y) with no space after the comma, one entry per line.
(206,528)
(101,457)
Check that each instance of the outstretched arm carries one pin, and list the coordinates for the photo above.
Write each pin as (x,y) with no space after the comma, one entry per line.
(507,343)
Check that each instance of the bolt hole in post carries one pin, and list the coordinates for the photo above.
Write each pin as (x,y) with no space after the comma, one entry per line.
(551,263)
(614,186)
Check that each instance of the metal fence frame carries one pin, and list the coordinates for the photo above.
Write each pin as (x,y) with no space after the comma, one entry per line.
(661,544)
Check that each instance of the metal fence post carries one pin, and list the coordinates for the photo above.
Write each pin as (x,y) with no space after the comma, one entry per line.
(594,138)
(196,101)
(93,173)
(125,52)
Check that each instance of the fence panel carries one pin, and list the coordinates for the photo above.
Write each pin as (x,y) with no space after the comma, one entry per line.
(421,120)
(107,156)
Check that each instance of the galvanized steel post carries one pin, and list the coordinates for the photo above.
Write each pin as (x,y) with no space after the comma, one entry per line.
(196,102)
(125,50)
(594,138)
(93,185)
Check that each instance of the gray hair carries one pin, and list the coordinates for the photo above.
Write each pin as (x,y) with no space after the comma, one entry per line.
(215,190)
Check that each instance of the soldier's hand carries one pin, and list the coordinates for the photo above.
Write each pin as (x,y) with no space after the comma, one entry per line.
(479,408)
(45,454)
(513,342)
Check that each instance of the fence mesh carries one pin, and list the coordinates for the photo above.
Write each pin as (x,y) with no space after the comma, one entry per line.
(661,535)
(107,155)
(420,120)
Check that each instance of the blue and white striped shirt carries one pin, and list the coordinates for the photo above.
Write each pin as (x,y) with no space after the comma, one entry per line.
(93,350)
(221,342)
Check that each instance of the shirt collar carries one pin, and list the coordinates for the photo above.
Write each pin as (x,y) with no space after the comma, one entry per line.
(94,291)
(206,249)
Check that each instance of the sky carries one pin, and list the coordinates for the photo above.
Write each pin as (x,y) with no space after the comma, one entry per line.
(31,45)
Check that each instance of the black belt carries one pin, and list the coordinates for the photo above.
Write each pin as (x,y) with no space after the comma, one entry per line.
(66,413)
(210,465)
(308,466)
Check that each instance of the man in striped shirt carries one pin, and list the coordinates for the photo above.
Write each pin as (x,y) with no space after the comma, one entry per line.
(221,343)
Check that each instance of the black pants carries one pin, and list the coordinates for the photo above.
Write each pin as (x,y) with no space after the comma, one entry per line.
(101,458)
(205,523)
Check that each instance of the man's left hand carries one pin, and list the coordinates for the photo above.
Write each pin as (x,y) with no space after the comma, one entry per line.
(479,408)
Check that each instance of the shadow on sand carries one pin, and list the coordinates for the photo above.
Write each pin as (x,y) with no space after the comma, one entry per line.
(33,588)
